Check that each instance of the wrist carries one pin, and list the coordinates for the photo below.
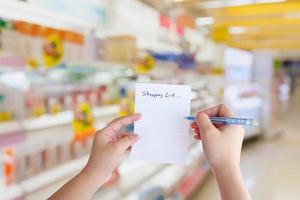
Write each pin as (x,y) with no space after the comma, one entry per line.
(97,177)
(226,168)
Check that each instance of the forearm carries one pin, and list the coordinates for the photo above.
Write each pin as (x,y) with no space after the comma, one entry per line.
(231,184)
(82,186)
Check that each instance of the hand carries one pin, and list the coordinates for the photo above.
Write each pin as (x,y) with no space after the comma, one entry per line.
(109,146)
(221,143)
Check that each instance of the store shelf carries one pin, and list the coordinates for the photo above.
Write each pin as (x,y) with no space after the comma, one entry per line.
(10,127)
(45,179)
(47,121)
(58,173)
(19,10)
(159,46)
(11,192)
(65,117)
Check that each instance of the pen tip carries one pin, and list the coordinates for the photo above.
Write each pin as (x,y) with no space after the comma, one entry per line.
(189,118)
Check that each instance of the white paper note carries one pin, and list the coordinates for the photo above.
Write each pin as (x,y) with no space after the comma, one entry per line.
(163,130)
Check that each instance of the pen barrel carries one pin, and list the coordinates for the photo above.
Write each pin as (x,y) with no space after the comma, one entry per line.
(232,121)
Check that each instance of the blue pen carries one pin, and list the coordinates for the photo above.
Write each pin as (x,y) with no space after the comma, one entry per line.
(229,121)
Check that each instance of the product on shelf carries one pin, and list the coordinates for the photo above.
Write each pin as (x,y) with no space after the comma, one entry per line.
(8,37)
(54,105)
(5,115)
(120,49)
(35,102)
(40,46)
(52,50)
(9,167)
(83,123)
(27,94)
(2,177)
(145,64)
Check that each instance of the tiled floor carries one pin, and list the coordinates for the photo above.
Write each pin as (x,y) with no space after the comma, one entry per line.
(271,165)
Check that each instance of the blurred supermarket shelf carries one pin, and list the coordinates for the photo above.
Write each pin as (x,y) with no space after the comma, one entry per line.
(36,14)
(11,192)
(65,117)
(48,121)
(68,169)
(45,179)
(18,10)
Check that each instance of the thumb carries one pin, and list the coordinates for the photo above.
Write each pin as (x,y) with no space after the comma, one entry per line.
(125,142)
(204,123)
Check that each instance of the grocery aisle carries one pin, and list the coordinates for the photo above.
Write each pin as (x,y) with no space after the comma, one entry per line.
(66,70)
(270,166)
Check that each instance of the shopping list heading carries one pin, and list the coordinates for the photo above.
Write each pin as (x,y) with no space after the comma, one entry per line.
(155,95)
(163,131)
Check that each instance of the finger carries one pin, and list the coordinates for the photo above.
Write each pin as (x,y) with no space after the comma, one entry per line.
(194,125)
(122,134)
(220,110)
(224,111)
(115,125)
(128,149)
(204,123)
(197,137)
(197,130)
(126,142)
(219,125)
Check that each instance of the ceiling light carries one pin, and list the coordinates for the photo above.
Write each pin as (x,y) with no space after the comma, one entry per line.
(204,21)
(269,1)
(213,4)
(292,15)
(180,0)
(237,30)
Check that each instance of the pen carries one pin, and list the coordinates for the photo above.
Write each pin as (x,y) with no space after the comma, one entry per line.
(229,121)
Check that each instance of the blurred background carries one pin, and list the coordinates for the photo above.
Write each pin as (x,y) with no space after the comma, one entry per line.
(69,67)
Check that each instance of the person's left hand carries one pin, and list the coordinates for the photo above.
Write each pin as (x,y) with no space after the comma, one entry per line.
(109,146)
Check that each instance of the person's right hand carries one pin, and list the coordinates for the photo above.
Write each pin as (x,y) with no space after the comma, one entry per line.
(221,143)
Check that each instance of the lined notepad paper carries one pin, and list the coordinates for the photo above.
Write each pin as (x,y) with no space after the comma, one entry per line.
(163,130)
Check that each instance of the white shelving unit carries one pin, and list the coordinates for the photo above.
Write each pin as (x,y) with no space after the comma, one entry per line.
(11,192)
(45,179)
(18,10)
(43,125)
(49,121)
(58,173)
